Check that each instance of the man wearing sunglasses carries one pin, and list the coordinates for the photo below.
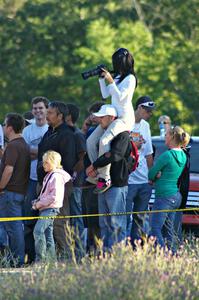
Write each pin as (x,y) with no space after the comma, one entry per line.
(139,190)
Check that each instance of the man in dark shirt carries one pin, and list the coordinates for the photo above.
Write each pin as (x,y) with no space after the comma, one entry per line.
(78,178)
(113,228)
(61,138)
(14,175)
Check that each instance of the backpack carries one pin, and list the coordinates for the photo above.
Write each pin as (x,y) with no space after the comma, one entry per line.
(133,157)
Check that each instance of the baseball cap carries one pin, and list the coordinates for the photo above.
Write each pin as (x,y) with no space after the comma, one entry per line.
(106,110)
(145,101)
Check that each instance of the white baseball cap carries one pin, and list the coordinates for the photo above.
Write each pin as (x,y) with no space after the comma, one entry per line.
(106,110)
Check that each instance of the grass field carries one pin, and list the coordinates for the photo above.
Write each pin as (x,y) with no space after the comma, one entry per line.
(142,274)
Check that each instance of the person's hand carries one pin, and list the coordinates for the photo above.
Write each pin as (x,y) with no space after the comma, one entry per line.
(34,206)
(150,182)
(107,75)
(90,171)
(159,174)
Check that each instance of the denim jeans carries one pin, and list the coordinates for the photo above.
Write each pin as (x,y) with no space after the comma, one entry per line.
(137,200)
(162,223)
(3,236)
(76,209)
(178,228)
(11,206)
(113,228)
(43,235)
(30,224)
(77,223)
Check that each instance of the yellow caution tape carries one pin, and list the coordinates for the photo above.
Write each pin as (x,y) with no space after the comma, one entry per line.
(7,219)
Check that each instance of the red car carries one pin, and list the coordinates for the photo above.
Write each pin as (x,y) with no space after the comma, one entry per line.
(190,218)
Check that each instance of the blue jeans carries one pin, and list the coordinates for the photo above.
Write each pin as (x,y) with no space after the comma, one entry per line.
(162,223)
(3,236)
(76,209)
(178,228)
(11,206)
(30,224)
(137,200)
(77,223)
(43,235)
(113,228)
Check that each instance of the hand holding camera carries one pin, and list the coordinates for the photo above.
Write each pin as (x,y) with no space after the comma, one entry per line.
(107,75)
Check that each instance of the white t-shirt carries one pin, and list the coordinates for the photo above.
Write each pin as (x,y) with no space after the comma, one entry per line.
(121,97)
(33,135)
(140,175)
(1,137)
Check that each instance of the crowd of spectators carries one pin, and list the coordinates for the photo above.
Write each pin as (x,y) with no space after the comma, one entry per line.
(51,168)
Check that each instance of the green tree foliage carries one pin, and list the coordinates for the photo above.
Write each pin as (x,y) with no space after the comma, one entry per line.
(46,44)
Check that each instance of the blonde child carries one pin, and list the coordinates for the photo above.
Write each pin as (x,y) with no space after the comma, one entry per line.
(49,201)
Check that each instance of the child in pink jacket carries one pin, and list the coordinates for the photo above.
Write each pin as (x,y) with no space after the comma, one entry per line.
(49,201)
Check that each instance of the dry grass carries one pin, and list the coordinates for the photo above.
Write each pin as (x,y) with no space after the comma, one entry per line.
(144,274)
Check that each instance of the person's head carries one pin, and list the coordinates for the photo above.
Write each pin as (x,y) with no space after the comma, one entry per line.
(176,137)
(51,161)
(123,63)
(13,124)
(107,114)
(144,107)
(39,107)
(29,118)
(91,119)
(56,113)
(165,120)
(95,107)
(73,114)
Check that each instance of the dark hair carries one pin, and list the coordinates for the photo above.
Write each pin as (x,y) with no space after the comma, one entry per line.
(95,107)
(38,99)
(28,115)
(61,108)
(16,121)
(73,111)
(123,63)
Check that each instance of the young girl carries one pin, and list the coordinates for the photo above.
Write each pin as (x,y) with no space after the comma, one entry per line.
(165,173)
(49,201)
(121,89)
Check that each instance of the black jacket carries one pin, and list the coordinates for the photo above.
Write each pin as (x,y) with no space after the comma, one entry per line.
(61,140)
(119,154)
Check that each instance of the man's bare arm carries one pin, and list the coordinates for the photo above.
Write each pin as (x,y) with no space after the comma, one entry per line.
(149,160)
(7,173)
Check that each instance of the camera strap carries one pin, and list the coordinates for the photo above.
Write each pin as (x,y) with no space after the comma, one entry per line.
(45,186)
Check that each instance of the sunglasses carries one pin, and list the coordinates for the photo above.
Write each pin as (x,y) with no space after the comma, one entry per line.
(164,122)
(148,104)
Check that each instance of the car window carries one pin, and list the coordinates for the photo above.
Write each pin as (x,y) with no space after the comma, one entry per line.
(194,156)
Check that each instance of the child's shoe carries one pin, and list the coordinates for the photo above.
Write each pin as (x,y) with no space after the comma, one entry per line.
(102,186)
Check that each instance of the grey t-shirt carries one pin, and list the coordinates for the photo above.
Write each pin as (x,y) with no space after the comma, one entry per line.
(33,135)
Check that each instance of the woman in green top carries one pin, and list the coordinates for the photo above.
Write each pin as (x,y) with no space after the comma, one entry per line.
(165,174)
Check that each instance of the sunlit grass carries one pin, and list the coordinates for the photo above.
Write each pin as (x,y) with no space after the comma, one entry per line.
(147,273)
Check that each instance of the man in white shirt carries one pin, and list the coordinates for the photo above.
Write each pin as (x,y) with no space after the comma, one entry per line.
(139,190)
(33,134)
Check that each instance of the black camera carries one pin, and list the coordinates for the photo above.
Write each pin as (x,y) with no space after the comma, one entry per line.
(94,72)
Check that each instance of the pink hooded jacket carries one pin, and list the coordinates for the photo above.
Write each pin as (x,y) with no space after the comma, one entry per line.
(53,195)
